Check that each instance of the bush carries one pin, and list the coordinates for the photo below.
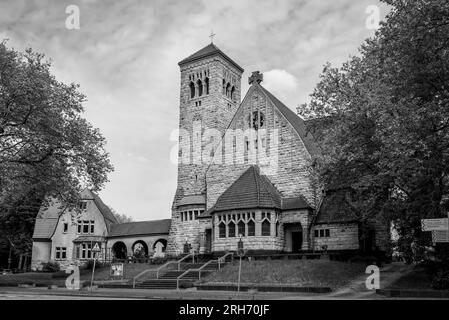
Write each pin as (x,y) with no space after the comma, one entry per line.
(51,267)
(89,265)
(441,280)
(158,260)
(60,275)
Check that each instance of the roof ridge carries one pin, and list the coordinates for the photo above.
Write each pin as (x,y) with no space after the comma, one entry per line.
(255,174)
(269,193)
(297,122)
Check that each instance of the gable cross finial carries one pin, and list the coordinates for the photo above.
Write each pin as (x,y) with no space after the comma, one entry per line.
(256,76)
(212,35)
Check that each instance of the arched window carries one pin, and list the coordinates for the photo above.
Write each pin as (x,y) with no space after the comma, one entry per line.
(192,90)
(224,86)
(278,229)
(241,228)
(200,88)
(222,230)
(206,83)
(266,227)
(231,229)
(233,93)
(251,228)
(228,89)
(255,121)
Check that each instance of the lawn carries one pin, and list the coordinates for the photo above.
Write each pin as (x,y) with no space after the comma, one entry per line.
(306,273)
(44,278)
(416,279)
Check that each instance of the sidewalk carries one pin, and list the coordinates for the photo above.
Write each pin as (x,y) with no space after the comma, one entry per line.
(189,294)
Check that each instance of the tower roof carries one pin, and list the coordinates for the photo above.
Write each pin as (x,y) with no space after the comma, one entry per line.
(208,51)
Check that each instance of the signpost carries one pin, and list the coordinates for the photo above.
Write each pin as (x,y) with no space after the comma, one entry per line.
(95,249)
(438,227)
(241,253)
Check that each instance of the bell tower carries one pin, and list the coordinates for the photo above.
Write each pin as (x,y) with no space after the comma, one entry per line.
(209,97)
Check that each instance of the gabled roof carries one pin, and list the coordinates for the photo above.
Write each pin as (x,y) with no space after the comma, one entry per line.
(250,190)
(192,199)
(295,203)
(140,228)
(297,123)
(207,51)
(47,218)
(44,228)
(335,208)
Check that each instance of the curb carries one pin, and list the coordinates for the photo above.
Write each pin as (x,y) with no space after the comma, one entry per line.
(407,293)
(262,288)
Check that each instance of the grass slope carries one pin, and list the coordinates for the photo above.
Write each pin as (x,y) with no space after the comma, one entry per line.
(44,278)
(316,273)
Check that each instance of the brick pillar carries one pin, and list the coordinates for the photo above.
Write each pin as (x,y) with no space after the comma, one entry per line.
(305,238)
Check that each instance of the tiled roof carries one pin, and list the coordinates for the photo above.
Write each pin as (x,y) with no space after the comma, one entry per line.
(193,199)
(44,228)
(89,238)
(295,203)
(207,51)
(104,209)
(140,228)
(250,190)
(297,123)
(335,208)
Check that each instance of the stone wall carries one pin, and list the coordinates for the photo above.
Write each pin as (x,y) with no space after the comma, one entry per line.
(197,116)
(344,236)
(289,169)
(129,242)
(41,254)
(291,217)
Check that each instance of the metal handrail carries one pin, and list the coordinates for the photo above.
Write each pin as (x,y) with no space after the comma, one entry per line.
(149,270)
(219,260)
(139,275)
(184,258)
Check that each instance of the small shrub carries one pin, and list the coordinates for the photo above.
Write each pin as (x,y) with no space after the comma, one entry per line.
(51,267)
(60,275)
(89,265)
(158,260)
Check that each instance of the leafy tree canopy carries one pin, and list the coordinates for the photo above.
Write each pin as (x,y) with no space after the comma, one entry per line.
(382,118)
(46,147)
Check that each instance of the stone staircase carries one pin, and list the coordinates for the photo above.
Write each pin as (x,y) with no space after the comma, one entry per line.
(169,279)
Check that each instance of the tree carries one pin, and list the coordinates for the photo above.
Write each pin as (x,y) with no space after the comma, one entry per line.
(47,149)
(121,218)
(382,119)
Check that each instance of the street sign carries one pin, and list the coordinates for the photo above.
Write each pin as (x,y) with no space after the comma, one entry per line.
(440,236)
(434,224)
(96,248)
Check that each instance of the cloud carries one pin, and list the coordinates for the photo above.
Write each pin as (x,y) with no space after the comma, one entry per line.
(281,83)
(125,58)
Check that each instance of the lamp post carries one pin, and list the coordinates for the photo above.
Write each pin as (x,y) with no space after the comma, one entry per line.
(240,252)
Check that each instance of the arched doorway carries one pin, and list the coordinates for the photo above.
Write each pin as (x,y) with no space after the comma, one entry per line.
(119,250)
(159,247)
(140,249)
(293,237)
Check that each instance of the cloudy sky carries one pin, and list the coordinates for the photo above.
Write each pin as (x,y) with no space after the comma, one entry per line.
(125,57)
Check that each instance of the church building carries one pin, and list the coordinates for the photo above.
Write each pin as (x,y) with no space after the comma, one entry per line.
(245,170)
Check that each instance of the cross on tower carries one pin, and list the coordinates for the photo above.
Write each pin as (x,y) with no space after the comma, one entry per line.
(212,35)
(255,76)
